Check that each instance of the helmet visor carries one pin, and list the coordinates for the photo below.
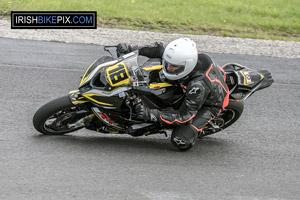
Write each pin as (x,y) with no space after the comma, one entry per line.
(173,69)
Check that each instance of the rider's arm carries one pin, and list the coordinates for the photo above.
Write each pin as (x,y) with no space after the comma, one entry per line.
(197,93)
(155,50)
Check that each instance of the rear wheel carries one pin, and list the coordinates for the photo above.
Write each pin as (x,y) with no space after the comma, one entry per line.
(228,116)
(59,117)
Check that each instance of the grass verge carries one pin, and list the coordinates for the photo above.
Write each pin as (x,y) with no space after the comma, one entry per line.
(265,19)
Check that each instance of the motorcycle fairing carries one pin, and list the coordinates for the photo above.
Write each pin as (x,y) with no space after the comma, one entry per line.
(87,73)
(249,78)
(76,97)
(112,98)
(117,74)
(243,81)
(151,68)
(97,99)
(92,70)
(159,85)
(104,83)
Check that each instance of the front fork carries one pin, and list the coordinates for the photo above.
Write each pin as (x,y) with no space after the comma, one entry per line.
(76,98)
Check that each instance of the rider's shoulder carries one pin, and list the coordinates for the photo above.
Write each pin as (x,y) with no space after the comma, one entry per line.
(204,61)
(203,56)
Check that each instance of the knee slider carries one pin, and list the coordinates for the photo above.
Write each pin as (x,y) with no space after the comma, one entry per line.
(183,137)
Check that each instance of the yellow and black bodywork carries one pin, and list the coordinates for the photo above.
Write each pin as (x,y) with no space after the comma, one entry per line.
(76,97)
(102,83)
(243,81)
(106,84)
(249,78)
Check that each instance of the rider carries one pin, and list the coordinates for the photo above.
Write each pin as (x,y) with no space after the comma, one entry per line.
(202,81)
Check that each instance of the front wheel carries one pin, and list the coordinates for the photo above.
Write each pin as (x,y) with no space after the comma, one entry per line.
(59,117)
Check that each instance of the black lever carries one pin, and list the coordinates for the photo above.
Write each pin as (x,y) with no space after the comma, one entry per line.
(106,49)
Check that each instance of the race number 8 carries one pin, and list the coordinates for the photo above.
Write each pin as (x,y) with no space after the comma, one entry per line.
(118,74)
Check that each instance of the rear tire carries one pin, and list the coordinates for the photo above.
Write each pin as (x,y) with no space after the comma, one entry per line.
(237,107)
(61,107)
(228,116)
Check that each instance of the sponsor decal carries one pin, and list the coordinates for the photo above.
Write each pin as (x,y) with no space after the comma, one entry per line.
(248,77)
(153,118)
(178,141)
(194,90)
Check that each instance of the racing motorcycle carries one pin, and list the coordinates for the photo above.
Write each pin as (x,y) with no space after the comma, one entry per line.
(111,87)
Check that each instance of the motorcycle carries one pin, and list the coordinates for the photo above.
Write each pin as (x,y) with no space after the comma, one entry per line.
(111,87)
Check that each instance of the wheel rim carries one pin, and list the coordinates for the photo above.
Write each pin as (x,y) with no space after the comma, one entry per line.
(230,117)
(220,121)
(63,121)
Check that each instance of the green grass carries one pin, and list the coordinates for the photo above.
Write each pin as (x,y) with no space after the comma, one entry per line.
(267,19)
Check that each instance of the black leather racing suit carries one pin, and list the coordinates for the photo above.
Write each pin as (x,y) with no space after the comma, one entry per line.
(206,95)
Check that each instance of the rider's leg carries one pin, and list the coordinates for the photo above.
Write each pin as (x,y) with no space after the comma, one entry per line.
(184,137)
(203,117)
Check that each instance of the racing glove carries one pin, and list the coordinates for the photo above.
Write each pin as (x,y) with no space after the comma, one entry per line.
(124,48)
(146,114)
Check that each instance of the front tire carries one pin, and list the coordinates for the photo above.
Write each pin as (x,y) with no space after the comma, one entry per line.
(55,117)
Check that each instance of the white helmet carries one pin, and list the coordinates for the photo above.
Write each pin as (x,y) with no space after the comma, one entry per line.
(180,53)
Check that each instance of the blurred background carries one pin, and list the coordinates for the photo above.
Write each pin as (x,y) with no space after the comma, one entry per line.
(263,19)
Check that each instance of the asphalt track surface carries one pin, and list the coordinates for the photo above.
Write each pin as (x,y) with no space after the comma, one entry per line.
(256,158)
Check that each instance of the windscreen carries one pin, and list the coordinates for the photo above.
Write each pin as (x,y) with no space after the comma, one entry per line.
(125,71)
